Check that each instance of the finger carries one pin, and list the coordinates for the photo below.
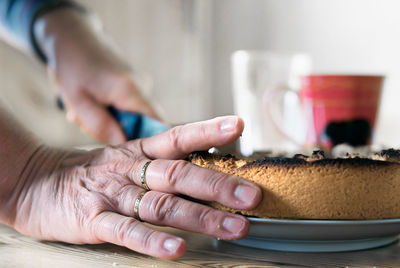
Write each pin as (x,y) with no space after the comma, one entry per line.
(126,96)
(166,209)
(125,199)
(178,142)
(136,103)
(130,233)
(94,119)
(171,176)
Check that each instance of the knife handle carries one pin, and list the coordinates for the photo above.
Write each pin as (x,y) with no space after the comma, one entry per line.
(130,122)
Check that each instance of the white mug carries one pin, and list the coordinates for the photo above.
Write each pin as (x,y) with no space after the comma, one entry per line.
(258,77)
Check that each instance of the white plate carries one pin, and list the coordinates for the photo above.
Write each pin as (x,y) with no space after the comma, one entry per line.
(320,235)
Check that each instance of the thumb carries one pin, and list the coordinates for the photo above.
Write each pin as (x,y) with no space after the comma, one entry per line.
(94,119)
(127,97)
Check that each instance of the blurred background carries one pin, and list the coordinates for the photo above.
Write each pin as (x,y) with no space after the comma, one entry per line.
(185,47)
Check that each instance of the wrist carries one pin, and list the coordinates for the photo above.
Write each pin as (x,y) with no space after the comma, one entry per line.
(49,30)
(17,149)
(23,193)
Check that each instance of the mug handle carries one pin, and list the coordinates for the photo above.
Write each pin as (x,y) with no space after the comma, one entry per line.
(273,110)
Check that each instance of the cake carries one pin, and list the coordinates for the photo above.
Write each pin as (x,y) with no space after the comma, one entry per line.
(317,187)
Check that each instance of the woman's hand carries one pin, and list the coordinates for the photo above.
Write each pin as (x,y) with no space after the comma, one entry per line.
(88,74)
(89,197)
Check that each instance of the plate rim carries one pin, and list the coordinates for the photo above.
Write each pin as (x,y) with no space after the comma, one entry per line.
(322,222)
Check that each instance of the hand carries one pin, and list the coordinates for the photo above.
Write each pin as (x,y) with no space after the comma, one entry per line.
(88,197)
(88,74)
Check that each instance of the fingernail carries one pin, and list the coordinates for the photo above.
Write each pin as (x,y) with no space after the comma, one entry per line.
(245,193)
(233,225)
(172,244)
(228,124)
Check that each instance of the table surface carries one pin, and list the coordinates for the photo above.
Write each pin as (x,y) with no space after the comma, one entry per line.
(17,250)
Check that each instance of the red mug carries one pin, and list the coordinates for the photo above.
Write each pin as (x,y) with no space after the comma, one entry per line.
(336,109)
(340,108)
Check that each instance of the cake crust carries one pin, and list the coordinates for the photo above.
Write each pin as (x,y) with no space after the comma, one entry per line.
(317,187)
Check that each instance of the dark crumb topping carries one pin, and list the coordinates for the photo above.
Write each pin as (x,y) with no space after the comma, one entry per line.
(384,157)
(321,162)
(206,155)
(390,153)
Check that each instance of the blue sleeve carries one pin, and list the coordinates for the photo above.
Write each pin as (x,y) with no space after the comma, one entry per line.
(18,16)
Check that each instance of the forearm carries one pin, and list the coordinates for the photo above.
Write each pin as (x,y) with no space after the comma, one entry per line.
(61,30)
(74,35)
(17,18)
(17,146)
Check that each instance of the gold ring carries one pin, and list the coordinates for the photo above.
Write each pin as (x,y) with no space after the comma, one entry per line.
(143,176)
(137,204)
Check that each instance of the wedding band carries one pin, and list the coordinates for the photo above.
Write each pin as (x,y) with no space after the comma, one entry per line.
(137,204)
(143,176)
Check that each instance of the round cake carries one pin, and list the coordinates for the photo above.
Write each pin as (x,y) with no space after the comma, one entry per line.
(317,187)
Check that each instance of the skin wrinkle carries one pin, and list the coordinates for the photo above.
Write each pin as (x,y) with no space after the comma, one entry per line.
(147,239)
(76,207)
(105,191)
(207,219)
(29,180)
(131,174)
(98,205)
(96,223)
(87,194)
(176,170)
(122,200)
(215,186)
(124,151)
(141,150)
(16,195)
(128,159)
(203,135)
(124,229)
(161,206)
(58,185)
(174,136)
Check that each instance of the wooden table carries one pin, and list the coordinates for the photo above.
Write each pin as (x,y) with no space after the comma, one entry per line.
(20,251)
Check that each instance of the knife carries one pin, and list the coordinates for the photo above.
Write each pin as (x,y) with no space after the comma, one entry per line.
(134,125)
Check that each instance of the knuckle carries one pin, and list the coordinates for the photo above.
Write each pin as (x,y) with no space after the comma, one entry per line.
(148,238)
(110,151)
(123,152)
(203,132)
(120,197)
(174,138)
(126,82)
(139,147)
(120,152)
(125,85)
(217,181)
(125,229)
(175,171)
(207,219)
(163,206)
(121,160)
